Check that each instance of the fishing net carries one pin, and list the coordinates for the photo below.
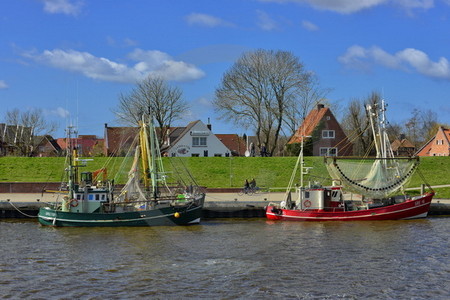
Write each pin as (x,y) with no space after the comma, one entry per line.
(372,177)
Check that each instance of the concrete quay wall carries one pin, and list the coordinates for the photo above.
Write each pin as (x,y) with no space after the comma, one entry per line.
(217,205)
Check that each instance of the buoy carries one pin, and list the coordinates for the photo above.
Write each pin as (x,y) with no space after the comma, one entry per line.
(176,215)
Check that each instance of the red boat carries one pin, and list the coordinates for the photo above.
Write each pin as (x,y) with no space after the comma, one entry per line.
(335,209)
(378,180)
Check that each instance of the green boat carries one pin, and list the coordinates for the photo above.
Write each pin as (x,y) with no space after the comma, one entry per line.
(145,200)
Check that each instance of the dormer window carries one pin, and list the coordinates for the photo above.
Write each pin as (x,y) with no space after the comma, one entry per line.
(199,141)
(328,134)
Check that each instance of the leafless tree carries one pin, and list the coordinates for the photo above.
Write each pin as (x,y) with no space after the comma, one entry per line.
(310,95)
(260,91)
(421,126)
(25,129)
(356,123)
(152,95)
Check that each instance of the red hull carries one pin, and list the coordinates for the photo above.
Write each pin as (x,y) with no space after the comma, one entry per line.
(410,209)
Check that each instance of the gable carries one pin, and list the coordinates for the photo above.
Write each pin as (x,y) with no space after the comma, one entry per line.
(194,132)
(310,123)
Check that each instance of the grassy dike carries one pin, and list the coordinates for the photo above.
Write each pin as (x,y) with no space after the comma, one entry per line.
(213,172)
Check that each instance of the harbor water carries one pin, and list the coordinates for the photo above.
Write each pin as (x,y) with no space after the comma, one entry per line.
(228,259)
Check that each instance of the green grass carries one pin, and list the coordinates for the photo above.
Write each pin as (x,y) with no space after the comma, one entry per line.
(214,172)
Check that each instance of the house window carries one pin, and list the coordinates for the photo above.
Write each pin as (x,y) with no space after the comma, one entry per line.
(328,151)
(199,141)
(195,155)
(328,134)
(217,155)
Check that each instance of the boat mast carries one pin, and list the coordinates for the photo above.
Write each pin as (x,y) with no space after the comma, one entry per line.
(153,167)
(72,168)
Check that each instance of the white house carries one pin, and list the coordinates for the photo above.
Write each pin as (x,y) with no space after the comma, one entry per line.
(197,140)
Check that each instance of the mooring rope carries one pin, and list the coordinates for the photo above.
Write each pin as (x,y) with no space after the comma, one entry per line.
(27,215)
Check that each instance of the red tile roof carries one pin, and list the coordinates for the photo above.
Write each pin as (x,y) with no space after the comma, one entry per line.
(233,142)
(309,124)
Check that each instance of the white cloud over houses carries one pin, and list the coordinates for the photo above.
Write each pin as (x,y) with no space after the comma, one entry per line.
(3,85)
(353,6)
(206,20)
(67,7)
(146,63)
(408,59)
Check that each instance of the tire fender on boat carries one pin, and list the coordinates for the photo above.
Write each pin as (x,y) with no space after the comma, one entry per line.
(73,202)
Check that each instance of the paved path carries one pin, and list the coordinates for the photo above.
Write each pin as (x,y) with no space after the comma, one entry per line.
(210,197)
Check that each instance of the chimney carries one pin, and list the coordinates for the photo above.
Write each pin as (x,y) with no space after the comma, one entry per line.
(320,106)
(209,124)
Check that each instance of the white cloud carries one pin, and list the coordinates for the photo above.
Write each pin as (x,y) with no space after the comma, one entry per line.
(353,6)
(149,63)
(411,4)
(59,111)
(408,59)
(126,42)
(67,7)
(206,20)
(3,85)
(309,26)
(265,22)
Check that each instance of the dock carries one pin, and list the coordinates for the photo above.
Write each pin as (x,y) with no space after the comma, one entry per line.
(217,204)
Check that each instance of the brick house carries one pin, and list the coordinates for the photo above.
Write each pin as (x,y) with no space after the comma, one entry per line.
(403,147)
(87,145)
(118,140)
(234,143)
(324,135)
(439,145)
(47,147)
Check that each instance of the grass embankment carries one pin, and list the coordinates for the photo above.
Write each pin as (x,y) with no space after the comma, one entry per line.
(214,172)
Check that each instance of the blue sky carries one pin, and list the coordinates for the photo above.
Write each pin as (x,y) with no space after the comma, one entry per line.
(72,58)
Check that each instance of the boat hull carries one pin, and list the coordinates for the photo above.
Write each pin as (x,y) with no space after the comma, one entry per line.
(166,216)
(410,209)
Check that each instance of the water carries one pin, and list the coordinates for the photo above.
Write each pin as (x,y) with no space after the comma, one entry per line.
(228,259)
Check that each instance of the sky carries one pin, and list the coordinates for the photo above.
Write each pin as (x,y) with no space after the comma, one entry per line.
(73,58)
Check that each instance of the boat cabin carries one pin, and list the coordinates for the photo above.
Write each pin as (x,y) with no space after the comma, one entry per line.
(87,197)
(320,198)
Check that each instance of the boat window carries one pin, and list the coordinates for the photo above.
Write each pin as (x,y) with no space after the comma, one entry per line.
(90,197)
(306,194)
(103,196)
(78,197)
(97,197)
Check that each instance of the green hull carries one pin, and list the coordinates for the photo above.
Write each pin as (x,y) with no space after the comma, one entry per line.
(166,216)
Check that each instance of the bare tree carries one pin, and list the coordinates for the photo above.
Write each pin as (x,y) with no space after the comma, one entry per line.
(356,122)
(421,126)
(26,127)
(310,95)
(152,95)
(259,92)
